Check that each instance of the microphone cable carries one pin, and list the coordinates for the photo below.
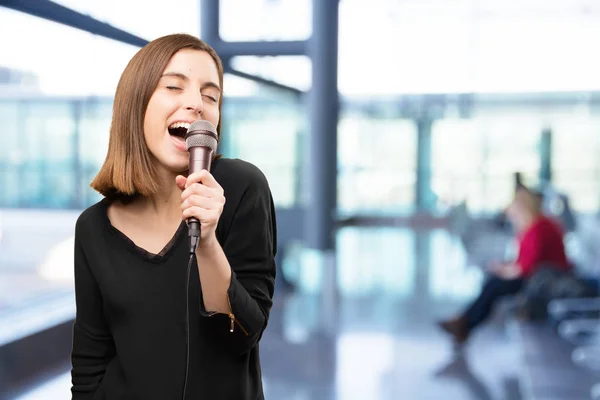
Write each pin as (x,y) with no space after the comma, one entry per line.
(194,238)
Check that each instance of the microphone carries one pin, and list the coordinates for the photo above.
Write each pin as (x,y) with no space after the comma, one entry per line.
(201,142)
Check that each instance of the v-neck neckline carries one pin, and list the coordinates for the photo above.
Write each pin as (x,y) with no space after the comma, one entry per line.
(130,244)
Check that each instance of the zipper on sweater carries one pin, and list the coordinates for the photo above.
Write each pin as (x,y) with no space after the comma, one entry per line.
(234,320)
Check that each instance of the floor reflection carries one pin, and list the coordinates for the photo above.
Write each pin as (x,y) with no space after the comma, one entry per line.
(392,285)
(382,342)
(458,369)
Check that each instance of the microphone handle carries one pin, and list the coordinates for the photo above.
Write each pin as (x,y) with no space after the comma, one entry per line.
(200,158)
(193,234)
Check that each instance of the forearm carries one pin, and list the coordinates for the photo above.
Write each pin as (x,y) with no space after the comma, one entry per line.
(511,265)
(91,354)
(511,270)
(237,279)
(215,276)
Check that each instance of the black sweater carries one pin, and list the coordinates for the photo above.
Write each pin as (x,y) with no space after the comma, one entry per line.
(129,335)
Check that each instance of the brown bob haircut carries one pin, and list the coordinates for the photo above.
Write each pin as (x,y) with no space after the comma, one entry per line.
(129,169)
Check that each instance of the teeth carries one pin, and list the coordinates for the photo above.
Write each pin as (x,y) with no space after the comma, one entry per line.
(185,125)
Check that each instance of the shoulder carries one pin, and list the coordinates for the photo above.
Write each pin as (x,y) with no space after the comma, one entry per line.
(552,226)
(92,217)
(240,174)
(545,228)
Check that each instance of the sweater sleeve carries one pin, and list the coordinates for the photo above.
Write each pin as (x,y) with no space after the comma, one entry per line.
(93,347)
(531,251)
(250,248)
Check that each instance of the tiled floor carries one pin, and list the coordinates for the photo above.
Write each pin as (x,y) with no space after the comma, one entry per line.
(379,340)
(410,363)
(374,336)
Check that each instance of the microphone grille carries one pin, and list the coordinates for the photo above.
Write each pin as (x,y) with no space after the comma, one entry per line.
(201,140)
(202,125)
(201,133)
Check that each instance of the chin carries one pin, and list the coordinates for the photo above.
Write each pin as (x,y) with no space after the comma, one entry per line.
(177,163)
(180,168)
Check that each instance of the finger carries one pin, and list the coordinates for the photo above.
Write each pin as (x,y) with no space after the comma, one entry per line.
(197,212)
(197,177)
(203,202)
(180,181)
(202,214)
(200,189)
(206,178)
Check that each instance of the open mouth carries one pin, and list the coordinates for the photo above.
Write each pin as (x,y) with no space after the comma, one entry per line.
(179,129)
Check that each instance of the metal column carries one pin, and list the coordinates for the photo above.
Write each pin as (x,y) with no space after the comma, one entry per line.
(546,157)
(423,187)
(323,106)
(209,33)
(209,22)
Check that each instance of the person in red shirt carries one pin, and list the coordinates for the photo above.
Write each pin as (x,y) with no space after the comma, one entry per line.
(540,243)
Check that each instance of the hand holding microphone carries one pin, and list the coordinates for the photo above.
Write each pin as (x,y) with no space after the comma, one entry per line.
(202,199)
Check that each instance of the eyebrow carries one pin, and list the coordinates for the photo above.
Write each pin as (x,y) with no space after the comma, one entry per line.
(186,78)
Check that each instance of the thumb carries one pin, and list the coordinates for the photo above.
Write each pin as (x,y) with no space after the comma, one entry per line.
(180,180)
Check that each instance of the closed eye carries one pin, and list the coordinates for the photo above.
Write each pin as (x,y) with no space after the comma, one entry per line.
(173,88)
(211,97)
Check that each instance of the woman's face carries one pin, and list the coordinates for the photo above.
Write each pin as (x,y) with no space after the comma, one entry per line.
(187,91)
(520,210)
(515,213)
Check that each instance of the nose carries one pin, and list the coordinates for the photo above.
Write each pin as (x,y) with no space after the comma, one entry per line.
(193,102)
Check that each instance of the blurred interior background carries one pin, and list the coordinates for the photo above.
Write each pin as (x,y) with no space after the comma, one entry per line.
(390,132)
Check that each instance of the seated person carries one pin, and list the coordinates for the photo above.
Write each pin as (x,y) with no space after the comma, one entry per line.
(540,242)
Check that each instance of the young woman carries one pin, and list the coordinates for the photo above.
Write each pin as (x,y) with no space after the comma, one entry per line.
(140,331)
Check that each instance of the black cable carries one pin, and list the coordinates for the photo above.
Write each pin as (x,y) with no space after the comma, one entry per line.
(187,323)
(193,234)
(193,238)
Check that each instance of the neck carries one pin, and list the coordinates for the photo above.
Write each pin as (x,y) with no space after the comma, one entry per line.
(165,204)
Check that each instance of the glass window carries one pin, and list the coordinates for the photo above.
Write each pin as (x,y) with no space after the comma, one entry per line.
(47,149)
(54,148)
(94,128)
(575,161)
(456,159)
(254,127)
(376,165)
(475,159)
